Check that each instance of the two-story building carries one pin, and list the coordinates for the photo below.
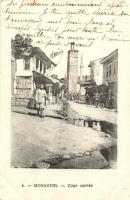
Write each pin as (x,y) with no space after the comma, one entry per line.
(110,71)
(30,70)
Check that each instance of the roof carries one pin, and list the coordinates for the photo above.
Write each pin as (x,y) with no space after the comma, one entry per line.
(40,78)
(93,61)
(41,55)
(56,81)
(110,55)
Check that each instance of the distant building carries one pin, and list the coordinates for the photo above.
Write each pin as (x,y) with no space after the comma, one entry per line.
(29,70)
(84,82)
(72,69)
(110,71)
(82,79)
(96,71)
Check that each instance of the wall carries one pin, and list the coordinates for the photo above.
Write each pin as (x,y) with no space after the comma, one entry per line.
(23,80)
(97,72)
(13,71)
(21,71)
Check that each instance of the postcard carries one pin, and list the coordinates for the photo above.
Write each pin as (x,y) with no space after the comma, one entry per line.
(65,99)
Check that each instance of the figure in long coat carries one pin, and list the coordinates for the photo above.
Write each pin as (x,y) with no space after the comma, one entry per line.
(40,99)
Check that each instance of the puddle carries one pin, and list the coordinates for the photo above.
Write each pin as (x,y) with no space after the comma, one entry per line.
(102,126)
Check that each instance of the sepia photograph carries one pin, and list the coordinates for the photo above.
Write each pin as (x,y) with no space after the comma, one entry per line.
(63,117)
(64,99)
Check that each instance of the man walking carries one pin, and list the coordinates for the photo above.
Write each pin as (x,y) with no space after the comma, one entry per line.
(40,100)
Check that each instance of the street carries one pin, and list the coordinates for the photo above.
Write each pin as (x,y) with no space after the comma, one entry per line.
(101,114)
(42,143)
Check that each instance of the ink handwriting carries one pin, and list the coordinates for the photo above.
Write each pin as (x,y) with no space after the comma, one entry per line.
(59,23)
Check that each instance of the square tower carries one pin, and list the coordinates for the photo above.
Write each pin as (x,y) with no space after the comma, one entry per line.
(72,69)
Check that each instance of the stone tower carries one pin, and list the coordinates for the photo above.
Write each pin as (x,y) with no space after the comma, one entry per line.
(72,69)
(81,68)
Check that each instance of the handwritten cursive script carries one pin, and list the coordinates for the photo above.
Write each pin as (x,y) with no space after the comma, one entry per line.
(58,23)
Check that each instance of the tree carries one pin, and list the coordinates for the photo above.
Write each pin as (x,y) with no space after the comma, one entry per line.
(21,47)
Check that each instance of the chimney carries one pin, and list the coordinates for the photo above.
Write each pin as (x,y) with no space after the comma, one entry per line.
(72,45)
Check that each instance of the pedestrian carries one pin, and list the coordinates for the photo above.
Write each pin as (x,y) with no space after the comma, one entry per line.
(101,99)
(97,99)
(87,98)
(40,99)
(32,103)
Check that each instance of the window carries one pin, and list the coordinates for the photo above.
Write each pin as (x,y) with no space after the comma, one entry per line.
(114,68)
(40,66)
(109,70)
(37,62)
(44,68)
(27,63)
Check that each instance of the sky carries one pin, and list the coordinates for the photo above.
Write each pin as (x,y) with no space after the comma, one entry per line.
(87,54)
(98,50)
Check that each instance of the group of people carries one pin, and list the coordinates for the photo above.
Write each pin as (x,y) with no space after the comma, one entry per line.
(98,99)
(101,100)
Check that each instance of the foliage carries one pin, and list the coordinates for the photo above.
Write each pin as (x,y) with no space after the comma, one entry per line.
(21,47)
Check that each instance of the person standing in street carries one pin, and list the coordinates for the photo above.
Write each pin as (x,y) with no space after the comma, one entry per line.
(40,99)
(97,99)
(101,99)
(87,98)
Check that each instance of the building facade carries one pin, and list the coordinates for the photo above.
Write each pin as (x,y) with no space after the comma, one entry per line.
(30,70)
(110,67)
(96,71)
(110,76)
(84,82)
(72,69)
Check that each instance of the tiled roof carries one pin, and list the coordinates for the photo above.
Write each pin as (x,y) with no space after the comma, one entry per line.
(41,55)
